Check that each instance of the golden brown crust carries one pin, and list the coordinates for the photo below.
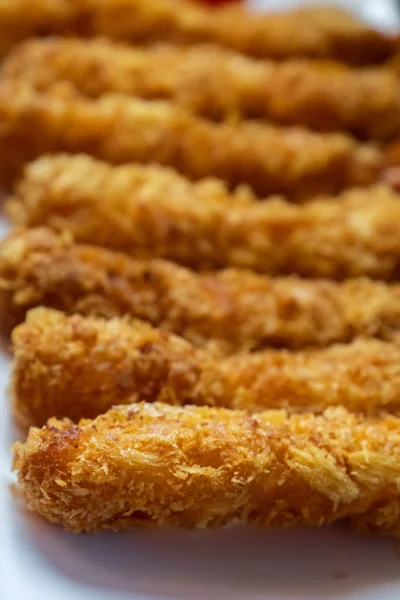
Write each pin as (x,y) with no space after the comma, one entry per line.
(314,32)
(215,83)
(145,183)
(153,464)
(120,129)
(79,367)
(353,235)
(20,19)
(230,310)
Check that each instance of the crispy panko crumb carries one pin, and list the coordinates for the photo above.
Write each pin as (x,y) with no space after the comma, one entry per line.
(120,129)
(154,464)
(215,83)
(79,367)
(123,209)
(230,310)
(146,183)
(317,32)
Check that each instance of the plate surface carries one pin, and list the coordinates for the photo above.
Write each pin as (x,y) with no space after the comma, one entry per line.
(40,562)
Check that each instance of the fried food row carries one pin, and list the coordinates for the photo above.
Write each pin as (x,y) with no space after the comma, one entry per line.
(154,464)
(216,83)
(79,367)
(118,128)
(355,234)
(230,310)
(311,31)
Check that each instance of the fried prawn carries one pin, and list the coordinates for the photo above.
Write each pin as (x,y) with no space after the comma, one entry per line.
(120,129)
(230,310)
(197,467)
(78,367)
(316,32)
(216,83)
(353,235)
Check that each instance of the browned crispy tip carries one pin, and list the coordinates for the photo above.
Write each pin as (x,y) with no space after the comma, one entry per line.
(79,367)
(121,129)
(197,467)
(217,83)
(231,310)
(122,208)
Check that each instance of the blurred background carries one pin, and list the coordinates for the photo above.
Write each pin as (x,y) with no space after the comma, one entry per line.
(383,13)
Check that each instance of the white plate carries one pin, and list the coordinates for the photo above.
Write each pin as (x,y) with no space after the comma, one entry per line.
(39,561)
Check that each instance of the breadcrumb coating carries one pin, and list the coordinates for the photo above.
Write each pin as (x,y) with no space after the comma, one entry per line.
(145,182)
(79,367)
(197,467)
(350,236)
(317,32)
(230,310)
(120,129)
(215,83)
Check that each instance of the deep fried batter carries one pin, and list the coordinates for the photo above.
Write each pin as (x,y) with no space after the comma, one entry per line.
(120,129)
(231,310)
(154,464)
(215,83)
(310,31)
(349,236)
(79,367)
